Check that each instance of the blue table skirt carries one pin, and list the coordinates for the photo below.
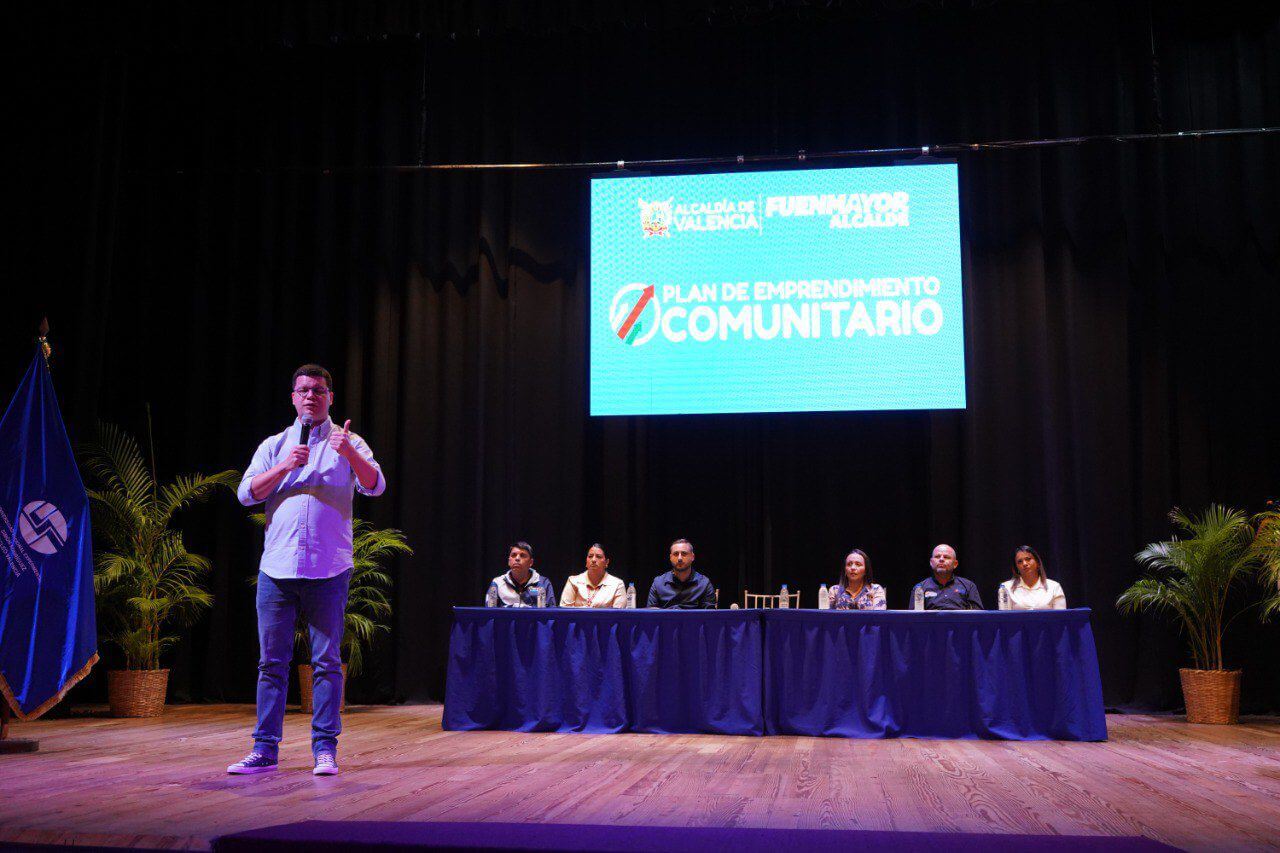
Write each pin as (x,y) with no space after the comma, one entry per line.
(605,671)
(1014,675)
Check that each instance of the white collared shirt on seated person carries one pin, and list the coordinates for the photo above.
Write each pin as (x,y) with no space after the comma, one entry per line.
(1045,595)
(578,592)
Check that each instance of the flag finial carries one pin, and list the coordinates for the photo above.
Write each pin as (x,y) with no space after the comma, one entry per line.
(44,338)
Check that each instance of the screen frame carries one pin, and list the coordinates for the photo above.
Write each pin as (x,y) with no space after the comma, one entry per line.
(800,165)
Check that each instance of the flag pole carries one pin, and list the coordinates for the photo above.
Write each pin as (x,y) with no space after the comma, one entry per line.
(8,745)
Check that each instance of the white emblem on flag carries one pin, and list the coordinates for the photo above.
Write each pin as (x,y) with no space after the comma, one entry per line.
(42,527)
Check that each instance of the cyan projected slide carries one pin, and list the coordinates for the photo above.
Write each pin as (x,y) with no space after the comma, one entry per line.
(804,291)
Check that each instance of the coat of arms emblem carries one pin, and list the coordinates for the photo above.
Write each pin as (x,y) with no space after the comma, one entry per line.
(655,217)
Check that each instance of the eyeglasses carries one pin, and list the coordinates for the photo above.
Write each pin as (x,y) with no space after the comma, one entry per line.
(311,392)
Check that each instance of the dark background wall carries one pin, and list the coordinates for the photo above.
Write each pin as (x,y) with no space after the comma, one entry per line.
(197,206)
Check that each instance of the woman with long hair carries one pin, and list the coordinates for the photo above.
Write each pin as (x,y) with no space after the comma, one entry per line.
(1030,588)
(855,590)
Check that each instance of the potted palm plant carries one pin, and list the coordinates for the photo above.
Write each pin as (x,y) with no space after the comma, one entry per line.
(368,607)
(1192,576)
(146,581)
(1266,544)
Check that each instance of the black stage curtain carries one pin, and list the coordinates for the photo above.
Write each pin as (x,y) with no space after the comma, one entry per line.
(175,221)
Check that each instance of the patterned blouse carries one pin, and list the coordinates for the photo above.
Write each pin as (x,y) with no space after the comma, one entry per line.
(871,597)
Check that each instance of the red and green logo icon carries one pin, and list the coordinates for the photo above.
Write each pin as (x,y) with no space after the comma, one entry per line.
(634,314)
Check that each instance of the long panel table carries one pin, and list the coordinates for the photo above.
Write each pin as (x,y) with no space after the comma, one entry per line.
(605,671)
(1014,675)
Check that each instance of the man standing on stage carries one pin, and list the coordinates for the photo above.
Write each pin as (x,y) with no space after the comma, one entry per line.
(306,475)
(946,590)
(682,588)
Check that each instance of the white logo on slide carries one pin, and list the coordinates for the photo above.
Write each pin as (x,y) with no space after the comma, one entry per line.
(634,318)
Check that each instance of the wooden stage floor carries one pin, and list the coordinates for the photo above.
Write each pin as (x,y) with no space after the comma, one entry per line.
(161,782)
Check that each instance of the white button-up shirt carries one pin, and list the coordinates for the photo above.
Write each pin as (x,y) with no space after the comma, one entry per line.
(1045,595)
(309,513)
(578,592)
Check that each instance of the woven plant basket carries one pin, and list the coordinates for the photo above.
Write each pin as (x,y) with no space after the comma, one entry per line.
(304,687)
(1212,695)
(137,692)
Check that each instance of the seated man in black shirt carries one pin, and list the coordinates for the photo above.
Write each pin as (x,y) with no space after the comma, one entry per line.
(946,590)
(682,588)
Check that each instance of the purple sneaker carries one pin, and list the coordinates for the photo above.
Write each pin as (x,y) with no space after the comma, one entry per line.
(326,765)
(254,762)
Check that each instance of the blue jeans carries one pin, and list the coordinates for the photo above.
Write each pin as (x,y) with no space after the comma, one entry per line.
(322,605)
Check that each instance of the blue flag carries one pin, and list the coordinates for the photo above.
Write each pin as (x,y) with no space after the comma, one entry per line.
(48,636)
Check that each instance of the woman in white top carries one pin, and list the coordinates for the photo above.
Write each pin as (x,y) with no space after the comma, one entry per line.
(1030,588)
(595,587)
(854,590)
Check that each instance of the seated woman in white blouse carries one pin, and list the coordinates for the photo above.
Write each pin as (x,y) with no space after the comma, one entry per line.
(1030,588)
(595,587)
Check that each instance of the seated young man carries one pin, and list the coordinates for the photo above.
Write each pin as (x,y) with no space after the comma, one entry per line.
(682,588)
(519,586)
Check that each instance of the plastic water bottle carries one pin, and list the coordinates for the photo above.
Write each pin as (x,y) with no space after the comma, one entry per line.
(542,596)
(824,598)
(631,596)
(1004,597)
(784,601)
(491,597)
(717,592)
(917,598)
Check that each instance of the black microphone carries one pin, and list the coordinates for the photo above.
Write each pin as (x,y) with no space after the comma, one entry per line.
(306,430)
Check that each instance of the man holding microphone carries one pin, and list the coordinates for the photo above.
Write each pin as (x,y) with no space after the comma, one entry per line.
(306,475)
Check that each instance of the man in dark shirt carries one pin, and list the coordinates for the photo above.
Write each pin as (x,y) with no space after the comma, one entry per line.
(682,588)
(946,590)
